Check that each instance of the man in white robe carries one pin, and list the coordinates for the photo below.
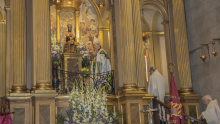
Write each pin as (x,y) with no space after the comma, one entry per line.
(156,85)
(212,113)
(102,63)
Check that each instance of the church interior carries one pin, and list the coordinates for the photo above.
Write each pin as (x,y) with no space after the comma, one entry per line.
(53,51)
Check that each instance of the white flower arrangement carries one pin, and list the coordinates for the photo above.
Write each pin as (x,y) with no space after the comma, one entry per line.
(56,51)
(88,107)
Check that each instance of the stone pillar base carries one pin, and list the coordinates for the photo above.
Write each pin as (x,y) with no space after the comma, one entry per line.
(186,91)
(18,89)
(43,86)
(190,103)
(131,101)
(45,106)
(142,89)
(41,106)
(22,105)
(130,87)
(62,104)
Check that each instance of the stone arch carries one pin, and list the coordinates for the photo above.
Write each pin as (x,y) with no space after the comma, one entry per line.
(154,22)
(161,9)
(1,14)
(146,22)
(158,5)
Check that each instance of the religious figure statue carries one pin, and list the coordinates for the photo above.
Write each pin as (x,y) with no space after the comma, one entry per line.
(212,113)
(147,58)
(69,45)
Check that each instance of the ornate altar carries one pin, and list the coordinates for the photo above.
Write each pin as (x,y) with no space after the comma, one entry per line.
(72,62)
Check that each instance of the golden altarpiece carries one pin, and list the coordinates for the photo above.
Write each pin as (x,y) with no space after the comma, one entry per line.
(34,101)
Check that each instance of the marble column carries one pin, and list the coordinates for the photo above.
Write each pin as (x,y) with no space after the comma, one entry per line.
(2,56)
(8,48)
(113,44)
(41,44)
(77,25)
(138,45)
(127,45)
(168,44)
(182,51)
(18,45)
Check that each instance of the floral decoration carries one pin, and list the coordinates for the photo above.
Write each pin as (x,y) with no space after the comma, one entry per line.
(85,72)
(88,107)
(56,52)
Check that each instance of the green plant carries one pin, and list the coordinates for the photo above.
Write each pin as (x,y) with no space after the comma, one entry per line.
(85,62)
(60,119)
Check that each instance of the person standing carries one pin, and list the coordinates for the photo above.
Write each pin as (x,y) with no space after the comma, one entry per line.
(101,63)
(156,85)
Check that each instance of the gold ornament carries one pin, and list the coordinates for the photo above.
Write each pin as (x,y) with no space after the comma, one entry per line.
(214,53)
(203,58)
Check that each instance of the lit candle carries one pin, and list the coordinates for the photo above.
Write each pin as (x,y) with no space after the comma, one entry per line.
(146,67)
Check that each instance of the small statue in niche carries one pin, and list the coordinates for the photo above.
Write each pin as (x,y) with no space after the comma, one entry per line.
(70,44)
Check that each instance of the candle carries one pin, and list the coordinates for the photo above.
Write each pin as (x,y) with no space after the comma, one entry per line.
(146,67)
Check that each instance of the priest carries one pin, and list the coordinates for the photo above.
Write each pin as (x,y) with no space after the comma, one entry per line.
(212,113)
(156,85)
(101,62)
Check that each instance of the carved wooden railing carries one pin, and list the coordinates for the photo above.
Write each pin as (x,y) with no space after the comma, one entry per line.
(187,119)
(159,117)
(68,79)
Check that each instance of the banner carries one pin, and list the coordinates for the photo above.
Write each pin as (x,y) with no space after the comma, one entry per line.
(176,111)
